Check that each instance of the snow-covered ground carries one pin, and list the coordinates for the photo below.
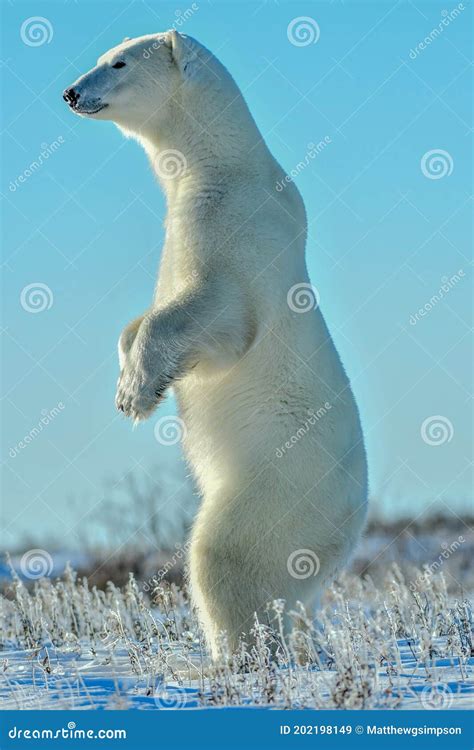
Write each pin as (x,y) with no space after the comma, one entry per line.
(403,643)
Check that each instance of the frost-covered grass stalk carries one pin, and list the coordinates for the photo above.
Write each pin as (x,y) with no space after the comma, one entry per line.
(66,645)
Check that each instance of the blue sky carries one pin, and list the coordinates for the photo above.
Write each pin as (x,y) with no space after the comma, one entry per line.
(385,230)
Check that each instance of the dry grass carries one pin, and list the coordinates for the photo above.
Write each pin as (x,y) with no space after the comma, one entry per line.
(67,645)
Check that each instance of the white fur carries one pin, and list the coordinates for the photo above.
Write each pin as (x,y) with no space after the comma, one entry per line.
(247,370)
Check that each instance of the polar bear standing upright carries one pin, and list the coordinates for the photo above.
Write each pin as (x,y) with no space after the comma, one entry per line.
(272,430)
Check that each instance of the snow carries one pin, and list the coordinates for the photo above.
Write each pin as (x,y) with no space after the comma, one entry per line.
(66,646)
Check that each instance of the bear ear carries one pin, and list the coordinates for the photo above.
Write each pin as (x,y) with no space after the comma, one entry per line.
(185,55)
(126,39)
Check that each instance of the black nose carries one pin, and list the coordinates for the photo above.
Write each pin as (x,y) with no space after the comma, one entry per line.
(71,97)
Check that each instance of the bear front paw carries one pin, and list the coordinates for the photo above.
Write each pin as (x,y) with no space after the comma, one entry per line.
(138,394)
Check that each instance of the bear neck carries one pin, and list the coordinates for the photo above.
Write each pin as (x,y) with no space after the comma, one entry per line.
(213,139)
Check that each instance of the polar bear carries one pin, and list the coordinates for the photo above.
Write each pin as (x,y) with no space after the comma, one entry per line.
(271,428)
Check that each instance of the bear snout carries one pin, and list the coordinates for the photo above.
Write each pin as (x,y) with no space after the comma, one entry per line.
(71,97)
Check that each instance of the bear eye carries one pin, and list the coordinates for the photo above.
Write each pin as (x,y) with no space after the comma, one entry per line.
(119,64)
